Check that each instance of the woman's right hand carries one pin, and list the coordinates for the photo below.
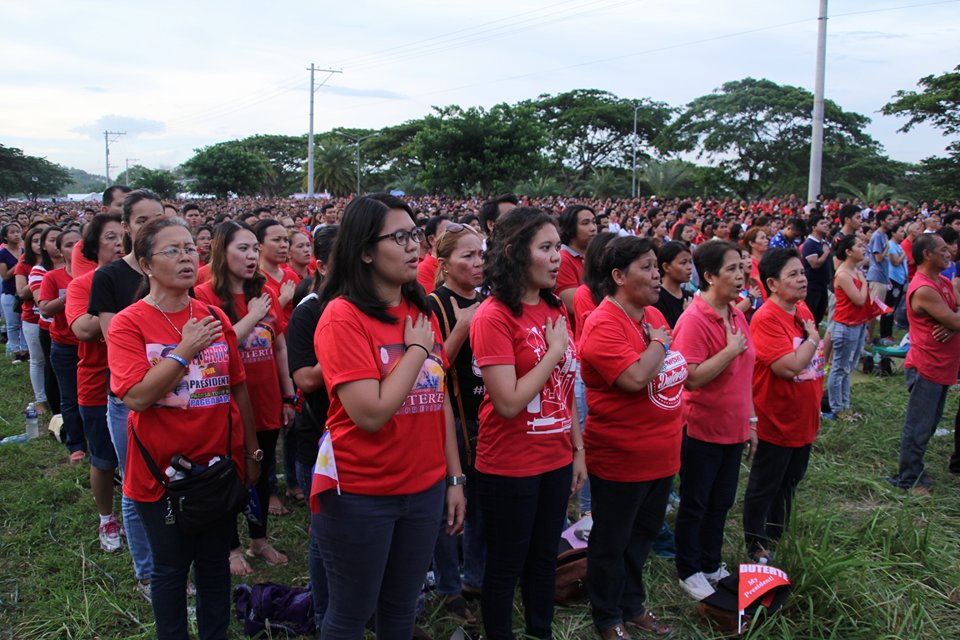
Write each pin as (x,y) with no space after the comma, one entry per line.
(419,332)
(258,307)
(736,342)
(465,315)
(556,336)
(660,334)
(199,334)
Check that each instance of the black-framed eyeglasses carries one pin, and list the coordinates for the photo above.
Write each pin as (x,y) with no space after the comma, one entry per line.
(402,236)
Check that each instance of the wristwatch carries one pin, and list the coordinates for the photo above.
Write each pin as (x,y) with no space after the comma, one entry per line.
(456,481)
(256,456)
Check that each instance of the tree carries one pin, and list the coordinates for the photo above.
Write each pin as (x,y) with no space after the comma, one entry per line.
(758,132)
(226,167)
(588,128)
(162,182)
(83,182)
(286,158)
(31,176)
(606,182)
(334,166)
(873,195)
(668,178)
(477,151)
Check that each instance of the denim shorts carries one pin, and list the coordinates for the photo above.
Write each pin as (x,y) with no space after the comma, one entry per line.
(102,454)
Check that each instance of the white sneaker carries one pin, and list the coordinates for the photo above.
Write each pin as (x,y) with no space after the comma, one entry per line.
(582,532)
(109,533)
(718,575)
(697,586)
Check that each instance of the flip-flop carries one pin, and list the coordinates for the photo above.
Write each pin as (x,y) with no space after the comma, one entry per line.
(239,566)
(295,493)
(276,508)
(269,555)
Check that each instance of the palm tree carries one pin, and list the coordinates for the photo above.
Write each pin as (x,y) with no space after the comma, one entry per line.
(540,186)
(667,178)
(875,193)
(334,168)
(606,183)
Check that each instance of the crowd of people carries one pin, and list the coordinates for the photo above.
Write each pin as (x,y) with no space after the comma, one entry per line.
(465,367)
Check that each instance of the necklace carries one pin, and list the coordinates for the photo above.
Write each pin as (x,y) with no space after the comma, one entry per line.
(165,317)
(644,337)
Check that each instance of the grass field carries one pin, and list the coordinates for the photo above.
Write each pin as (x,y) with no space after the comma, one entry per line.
(867,561)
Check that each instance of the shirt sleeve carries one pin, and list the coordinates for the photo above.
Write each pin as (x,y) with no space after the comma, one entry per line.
(48,290)
(688,337)
(342,346)
(771,338)
(491,337)
(608,350)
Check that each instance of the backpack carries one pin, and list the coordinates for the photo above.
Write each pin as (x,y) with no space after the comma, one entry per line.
(276,607)
(571,580)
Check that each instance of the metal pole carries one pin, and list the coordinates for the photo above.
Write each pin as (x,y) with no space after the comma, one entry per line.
(816,142)
(313,90)
(106,146)
(356,141)
(633,175)
(358,168)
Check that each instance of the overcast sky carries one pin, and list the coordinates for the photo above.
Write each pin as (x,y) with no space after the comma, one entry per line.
(179,75)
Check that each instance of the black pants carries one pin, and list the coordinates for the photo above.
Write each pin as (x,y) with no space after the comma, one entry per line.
(774,477)
(50,384)
(267,441)
(626,518)
(708,488)
(817,303)
(955,458)
(894,294)
(522,521)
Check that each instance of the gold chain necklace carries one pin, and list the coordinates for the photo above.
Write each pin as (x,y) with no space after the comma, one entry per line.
(165,317)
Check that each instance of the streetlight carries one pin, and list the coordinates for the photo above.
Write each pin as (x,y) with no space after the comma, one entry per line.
(633,176)
(356,142)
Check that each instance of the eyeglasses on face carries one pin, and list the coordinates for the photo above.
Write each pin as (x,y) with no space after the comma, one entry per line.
(402,236)
(175,252)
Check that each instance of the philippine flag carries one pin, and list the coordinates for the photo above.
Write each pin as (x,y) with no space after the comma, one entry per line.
(324,472)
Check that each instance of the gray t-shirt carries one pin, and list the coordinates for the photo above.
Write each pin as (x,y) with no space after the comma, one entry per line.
(877,271)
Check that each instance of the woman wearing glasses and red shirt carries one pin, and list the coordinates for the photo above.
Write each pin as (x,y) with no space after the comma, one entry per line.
(390,422)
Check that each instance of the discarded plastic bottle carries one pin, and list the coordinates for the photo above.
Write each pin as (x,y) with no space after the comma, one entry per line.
(33,425)
(17,439)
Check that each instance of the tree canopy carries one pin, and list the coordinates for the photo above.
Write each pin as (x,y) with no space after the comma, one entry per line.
(30,176)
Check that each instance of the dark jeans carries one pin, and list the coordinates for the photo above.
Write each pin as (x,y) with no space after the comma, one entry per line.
(173,554)
(318,576)
(50,383)
(924,410)
(817,303)
(774,477)
(626,518)
(955,458)
(894,294)
(522,521)
(708,487)
(64,359)
(267,441)
(376,550)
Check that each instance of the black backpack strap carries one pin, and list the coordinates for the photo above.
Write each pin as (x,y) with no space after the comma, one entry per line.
(146,457)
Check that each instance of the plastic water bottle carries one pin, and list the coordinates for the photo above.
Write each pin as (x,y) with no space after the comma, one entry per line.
(33,425)
(173,474)
(17,439)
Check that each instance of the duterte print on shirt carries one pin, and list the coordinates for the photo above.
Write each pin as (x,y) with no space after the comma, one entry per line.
(548,410)
(258,346)
(428,391)
(207,381)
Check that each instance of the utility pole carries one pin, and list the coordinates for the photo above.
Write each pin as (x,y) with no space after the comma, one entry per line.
(106,144)
(127,173)
(356,141)
(816,142)
(313,90)
(633,175)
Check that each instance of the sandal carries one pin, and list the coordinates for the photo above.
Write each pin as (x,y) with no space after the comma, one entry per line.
(456,608)
(77,457)
(276,507)
(239,566)
(295,493)
(650,623)
(269,555)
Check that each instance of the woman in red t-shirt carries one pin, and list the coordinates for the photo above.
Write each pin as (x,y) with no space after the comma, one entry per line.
(50,258)
(301,254)
(390,442)
(787,388)
(274,252)
(849,327)
(29,315)
(756,240)
(713,335)
(237,287)
(634,384)
(174,362)
(529,450)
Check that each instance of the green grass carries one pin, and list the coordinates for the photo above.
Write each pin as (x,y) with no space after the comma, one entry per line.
(866,561)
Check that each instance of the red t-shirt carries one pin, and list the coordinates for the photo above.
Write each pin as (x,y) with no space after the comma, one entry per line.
(847,312)
(35,279)
(92,370)
(719,411)
(755,278)
(427,272)
(53,287)
(274,287)
(537,439)
(788,409)
(583,306)
(28,311)
(629,436)
(258,357)
(907,246)
(935,361)
(192,419)
(203,274)
(570,275)
(79,265)
(406,455)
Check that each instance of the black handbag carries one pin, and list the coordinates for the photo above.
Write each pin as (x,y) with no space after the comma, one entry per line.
(198,501)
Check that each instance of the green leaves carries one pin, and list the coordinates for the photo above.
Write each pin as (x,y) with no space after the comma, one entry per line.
(30,176)
(227,167)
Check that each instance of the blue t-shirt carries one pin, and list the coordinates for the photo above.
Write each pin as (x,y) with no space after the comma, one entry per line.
(817,279)
(877,271)
(896,274)
(9,286)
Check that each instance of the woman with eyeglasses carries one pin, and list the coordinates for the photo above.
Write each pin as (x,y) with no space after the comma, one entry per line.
(238,288)
(174,362)
(390,423)
(529,450)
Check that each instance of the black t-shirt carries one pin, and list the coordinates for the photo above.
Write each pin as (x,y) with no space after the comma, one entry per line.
(115,287)
(672,307)
(469,382)
(300,354)
(817,279)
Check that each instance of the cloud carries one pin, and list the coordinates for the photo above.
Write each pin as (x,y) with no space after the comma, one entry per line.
(95,90)
(132,126)
(364,93)
(872,35)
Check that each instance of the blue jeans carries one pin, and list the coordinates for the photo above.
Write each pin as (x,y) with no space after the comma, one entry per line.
(117,413)
(15,341)
(580,395)
(173,554)
(376,550)
(446,555)
(31,333)
(522,519)
(924,410)
(847,347)
(318,576)
(708,488)
(64,359)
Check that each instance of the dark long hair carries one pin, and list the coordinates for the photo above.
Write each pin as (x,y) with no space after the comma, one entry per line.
(508,257)
(45,260)
(29,256)
(91,235)
(593,264)
(220,274)
(350,277)
(567,221)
